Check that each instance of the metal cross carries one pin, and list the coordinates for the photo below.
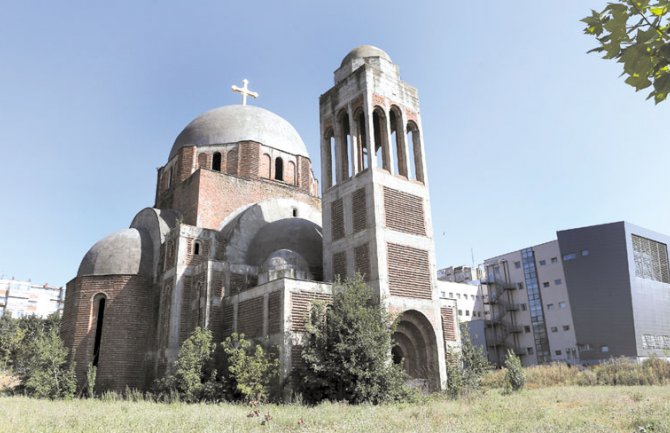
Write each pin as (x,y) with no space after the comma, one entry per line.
(244,90)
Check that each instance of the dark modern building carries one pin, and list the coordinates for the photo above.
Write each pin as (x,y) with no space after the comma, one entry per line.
(619,290)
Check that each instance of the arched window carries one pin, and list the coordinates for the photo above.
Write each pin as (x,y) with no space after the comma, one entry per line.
(216,161)
(169,178)
(196,248)
(99,307)
(331,158)
(416,160)
(361,136)
(346,144)
(279,169)
(398,142)
(381,139)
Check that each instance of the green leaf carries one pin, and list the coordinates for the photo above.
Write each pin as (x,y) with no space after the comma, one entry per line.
(659,10)
(638,82)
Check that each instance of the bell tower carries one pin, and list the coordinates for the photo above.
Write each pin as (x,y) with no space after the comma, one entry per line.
(376,206)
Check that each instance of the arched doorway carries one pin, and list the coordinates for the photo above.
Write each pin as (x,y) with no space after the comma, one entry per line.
(416,347)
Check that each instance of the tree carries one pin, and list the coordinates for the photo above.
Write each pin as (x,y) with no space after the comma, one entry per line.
(251,370)
(193,368)
(515,376)
(347,350)
(466,367)
(636,33)
(47,374)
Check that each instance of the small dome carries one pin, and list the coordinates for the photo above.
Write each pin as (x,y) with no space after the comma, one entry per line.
(234,123)
(120,253)
(284,259)
(365,51)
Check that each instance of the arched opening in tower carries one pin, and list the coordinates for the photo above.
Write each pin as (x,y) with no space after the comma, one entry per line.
(416,349)
(100,316)
(216,161)
(279,169)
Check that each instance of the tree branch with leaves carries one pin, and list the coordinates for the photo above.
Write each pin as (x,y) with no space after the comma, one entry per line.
(637,34)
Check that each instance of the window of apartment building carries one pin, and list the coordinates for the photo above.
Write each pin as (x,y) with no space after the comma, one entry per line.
(517,265)
(519,286)
(460,312)
(545,284)
(554,329)
(566,327)
(604,349)
(554,260)
(467,312)
(458,295)
(558,282)
(523,307)
(585,253)
(451,295)
(529,350)
(543,262)
(651,259)
(568,257)
(526,329)
(562,305)
(559,353)
(584,347)
(444,294)
(550,306)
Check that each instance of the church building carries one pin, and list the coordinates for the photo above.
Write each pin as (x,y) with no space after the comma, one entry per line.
(239,240)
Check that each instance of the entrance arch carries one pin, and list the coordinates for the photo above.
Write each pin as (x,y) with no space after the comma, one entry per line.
(416,345)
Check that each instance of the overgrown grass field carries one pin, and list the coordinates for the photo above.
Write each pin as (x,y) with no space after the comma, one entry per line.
(551,409)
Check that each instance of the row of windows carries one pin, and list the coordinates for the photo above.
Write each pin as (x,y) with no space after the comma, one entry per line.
(572,256)
(517,264)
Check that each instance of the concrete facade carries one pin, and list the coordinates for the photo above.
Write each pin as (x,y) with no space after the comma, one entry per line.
(24,298)
(234,241)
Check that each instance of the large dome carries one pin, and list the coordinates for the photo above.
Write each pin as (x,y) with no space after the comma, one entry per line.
(234,123)
(365,51)
(125,252)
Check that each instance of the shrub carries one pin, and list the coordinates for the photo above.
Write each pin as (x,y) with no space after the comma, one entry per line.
(515,375)
(465,368)
(89,389)
(192,370)
(555,374)
(251,370)
(45,365)
(347,350)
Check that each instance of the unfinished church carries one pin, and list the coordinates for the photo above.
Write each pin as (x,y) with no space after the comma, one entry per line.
(239,241)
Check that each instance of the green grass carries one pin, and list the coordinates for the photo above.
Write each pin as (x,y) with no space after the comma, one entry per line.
(555,409)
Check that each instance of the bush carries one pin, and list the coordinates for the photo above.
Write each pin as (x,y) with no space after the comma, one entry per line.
(47,374)
(514,375)
(192,371)
(347,350)
(555,374)
(465,368)
(251,370)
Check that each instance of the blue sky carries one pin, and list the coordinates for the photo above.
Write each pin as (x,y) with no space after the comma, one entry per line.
(525,133)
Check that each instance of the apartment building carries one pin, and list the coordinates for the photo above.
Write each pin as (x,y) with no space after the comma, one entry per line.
(24,298)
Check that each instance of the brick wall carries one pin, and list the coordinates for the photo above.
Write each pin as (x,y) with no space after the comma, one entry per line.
(274,312)
(448,323)
(289,174)
(300,305)
(265,167)
(127,329)
(362,260)
(337,219)
(250,317)
(404,212)
(360,210)
(340,265)
(249,159)
(409,272)
(232,162)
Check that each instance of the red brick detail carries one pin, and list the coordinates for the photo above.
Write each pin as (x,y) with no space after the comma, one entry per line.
(305,175)
(250,317)
(127,334)
(296,357)
(340,265)
(362,260)
(289,174)
(409,272)
(360,210)
(203,160)
(249,159)
(378,100)
(300,305)
(410,115)
(265,167)
(228,318)
(185,163)
(231,162)
(274,313)
(337,219)
(404,212)
(448,323)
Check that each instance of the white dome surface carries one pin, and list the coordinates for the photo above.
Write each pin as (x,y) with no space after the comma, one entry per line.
(234,123)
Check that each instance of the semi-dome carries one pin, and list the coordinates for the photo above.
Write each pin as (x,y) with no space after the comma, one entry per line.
(125,252)
(234,123)
(365,51)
